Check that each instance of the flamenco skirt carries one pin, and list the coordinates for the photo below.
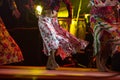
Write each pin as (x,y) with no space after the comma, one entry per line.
(56,38)
(9,50)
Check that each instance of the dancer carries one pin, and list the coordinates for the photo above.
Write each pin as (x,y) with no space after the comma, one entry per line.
(9,50)
(56,40)
(105,31)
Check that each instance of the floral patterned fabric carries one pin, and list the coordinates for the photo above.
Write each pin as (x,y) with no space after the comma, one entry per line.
(9,50)
(106,33)
(55,37)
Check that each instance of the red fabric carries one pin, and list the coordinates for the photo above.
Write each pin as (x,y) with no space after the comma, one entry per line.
(62,54)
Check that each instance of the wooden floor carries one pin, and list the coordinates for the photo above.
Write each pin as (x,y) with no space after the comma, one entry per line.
(62,73)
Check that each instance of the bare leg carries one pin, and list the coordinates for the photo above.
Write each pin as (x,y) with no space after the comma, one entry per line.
(51,63)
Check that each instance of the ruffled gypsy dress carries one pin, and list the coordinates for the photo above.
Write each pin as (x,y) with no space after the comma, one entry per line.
(9,50)
(55,37)
(105,30)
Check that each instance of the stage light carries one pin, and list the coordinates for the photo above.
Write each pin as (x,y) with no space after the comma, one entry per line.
(38,10)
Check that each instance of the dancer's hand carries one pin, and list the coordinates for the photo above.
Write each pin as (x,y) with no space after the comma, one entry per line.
(54,13)
(16,13)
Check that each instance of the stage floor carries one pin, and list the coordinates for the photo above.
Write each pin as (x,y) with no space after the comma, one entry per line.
(62,73)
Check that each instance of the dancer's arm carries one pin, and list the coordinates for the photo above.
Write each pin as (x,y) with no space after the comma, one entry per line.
(13,7)
(69,7)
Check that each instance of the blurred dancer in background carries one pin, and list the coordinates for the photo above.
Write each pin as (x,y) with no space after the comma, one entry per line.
(9,50)
(105,31)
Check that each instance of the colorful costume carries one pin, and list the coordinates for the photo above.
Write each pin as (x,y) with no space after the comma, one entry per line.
(9,50)
(105,30)
(54,36)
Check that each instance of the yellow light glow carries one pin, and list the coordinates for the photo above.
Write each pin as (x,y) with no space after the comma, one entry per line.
(86,17)
(63,13)
(73,27)
(38,9)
